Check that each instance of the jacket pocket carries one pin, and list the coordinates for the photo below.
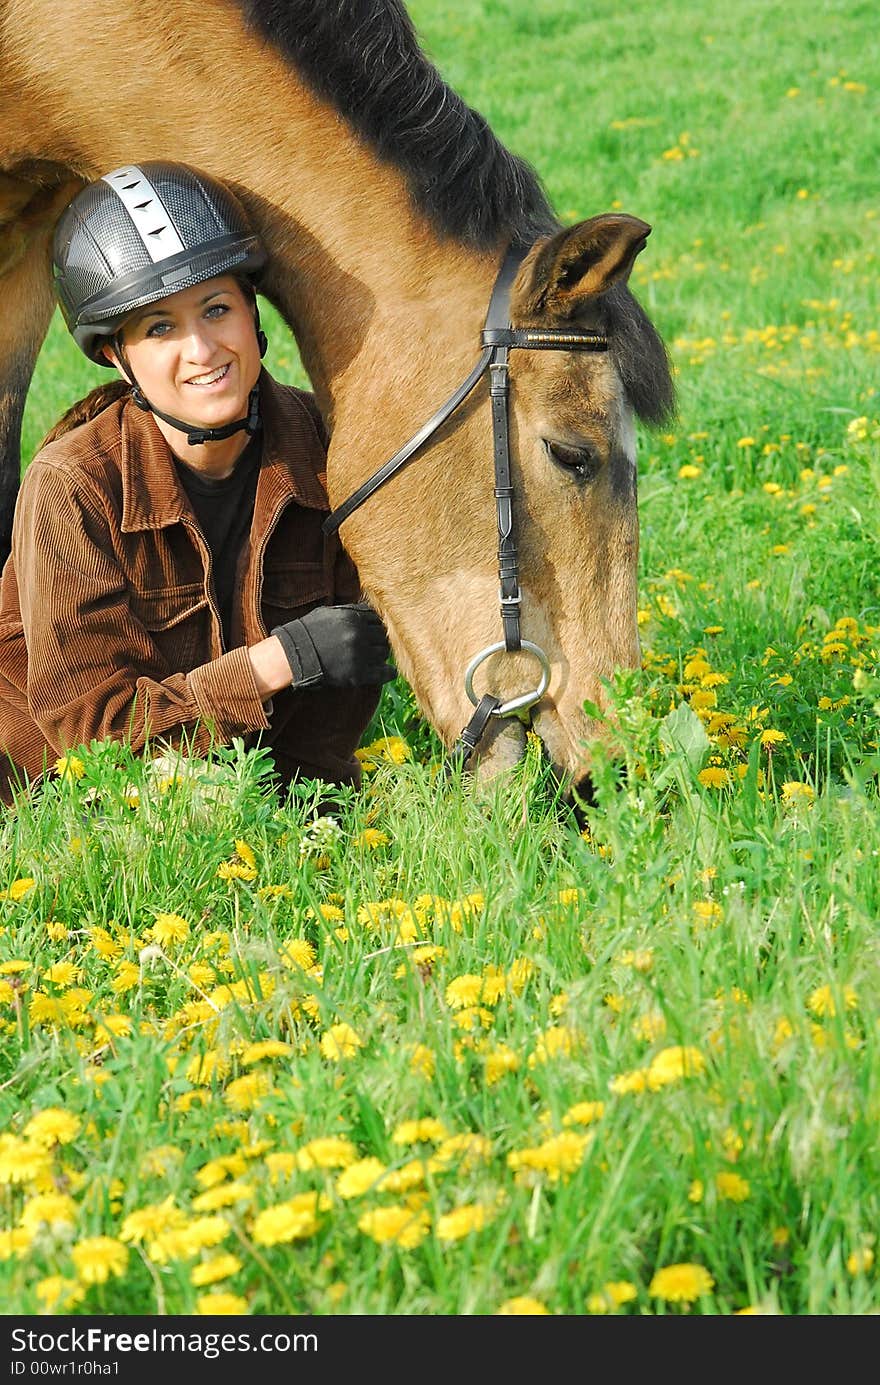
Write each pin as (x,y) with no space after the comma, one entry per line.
(162,610)
(292,588)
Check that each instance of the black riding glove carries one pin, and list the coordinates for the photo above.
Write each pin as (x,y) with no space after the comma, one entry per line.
(339,646)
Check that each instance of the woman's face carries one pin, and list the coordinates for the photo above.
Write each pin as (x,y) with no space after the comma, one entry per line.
(195,354)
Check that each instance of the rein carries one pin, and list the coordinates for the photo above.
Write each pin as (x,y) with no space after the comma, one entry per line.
(498,338)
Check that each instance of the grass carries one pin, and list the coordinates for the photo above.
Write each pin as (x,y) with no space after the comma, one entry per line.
(621,1064)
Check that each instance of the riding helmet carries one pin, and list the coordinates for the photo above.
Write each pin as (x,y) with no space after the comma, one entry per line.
(139,234)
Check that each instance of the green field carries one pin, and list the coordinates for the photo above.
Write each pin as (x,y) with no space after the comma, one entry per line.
(434,1052)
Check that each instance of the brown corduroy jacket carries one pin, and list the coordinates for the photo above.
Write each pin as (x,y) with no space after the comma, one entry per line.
(108,622)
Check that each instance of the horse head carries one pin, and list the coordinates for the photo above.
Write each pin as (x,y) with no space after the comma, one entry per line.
(595,365)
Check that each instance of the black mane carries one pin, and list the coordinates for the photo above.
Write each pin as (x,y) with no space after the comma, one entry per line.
(364,58)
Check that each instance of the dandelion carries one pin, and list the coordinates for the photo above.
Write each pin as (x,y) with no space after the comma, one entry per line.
(584,1113)
(454,1226)
(714,777)
(683,1283)
(689,472)
(221,1305)
(169,929)
(371,838)
(399,1225)
(794,791)
(69,767)
(19,888)
(425,1131)
(732,1187)
(360,1178)
(340,1041)
(215,1269)
(498,1062)
(860,1261)
(52,1126)
(57,1294)
(21,1161)
(97,1258)
(294,1220)
(523,1306)
(613,1295)
(298,952)
(822,1002)
(695,1191)
(772,737)
(672,1064)
(464,991)
(422,1061)
(331,1152)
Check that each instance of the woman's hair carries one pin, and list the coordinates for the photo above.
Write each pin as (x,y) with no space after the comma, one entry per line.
(94,403)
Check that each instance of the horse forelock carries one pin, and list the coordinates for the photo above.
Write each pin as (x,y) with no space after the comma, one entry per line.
(639,355)
(363,57)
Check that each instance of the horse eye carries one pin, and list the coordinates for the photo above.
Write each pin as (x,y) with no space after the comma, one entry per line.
(582,461)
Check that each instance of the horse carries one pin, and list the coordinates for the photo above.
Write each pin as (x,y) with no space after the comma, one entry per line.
(387,205)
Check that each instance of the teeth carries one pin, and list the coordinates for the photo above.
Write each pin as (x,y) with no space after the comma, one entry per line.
(209,379)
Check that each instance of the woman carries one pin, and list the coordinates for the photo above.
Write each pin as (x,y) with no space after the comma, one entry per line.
(169,578)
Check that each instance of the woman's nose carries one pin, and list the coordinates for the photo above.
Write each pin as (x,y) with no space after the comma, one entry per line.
(199,346)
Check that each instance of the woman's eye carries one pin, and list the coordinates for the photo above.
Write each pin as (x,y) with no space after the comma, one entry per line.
(217,310)
(582,461)
(158,329)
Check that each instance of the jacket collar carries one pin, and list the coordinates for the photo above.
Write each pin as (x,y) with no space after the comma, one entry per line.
(152,496)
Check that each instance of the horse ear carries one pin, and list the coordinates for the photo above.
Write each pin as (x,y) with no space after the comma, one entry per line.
(578,263)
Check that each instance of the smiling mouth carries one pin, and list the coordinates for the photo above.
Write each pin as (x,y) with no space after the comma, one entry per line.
(212,378)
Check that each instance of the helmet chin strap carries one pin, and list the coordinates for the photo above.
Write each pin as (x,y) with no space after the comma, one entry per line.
(195,434)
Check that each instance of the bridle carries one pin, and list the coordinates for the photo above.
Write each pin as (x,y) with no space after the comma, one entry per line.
(498,339)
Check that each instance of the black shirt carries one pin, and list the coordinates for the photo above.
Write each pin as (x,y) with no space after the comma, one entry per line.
(224,510)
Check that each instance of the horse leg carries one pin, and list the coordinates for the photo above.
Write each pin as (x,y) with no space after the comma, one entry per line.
(28,303)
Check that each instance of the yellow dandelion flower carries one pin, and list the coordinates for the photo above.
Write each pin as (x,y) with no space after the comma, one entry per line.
(236,870)
(423,1061)
(398,1225)
(584,1113)
(559,1157)
(522,1306)
(498,1062)
(464,991)
(464,1151)
(372,838)
(860,1261)
(57,1294)
(329,1152)
(69,767)
(772,737)
(340,1041)
(15,1241)
(556,1042)
(245,1093)
(19,888)
(626,1083)
(822,1002)
(696,1191)
(360,1178)
(298,952)
(57,1211)
(169,929)
(714,777)
(151,1221)
(22,1162)
(293,1220)
(707,912)
(213,1270)
(221,1305)
(224,1195)
(673,1063)
(683,1283)
(266,1048)
(97,1258)
(52,1126)
(746,442)
(732,1187)
(455,1225)
(428,1130)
